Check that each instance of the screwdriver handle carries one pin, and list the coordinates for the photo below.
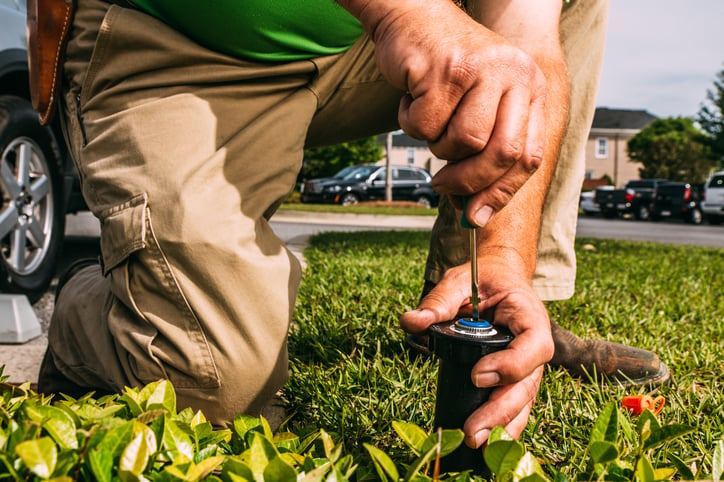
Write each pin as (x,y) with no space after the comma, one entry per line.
(464,218)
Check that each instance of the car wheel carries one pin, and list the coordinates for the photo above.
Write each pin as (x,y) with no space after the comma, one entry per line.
(642,213)
(424,200)
(696,217)
(348,198)
(32,220)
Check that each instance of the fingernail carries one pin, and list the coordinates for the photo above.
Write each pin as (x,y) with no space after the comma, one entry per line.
(483,216)
(481,437)
(487,379)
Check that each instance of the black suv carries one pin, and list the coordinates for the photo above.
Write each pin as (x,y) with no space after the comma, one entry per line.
(367,183)
(677,200)
(38,184)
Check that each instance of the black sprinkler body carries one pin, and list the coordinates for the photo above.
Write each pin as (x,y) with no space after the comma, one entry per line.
(459,344)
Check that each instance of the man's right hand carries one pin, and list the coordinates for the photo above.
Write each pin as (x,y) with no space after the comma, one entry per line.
(477,100)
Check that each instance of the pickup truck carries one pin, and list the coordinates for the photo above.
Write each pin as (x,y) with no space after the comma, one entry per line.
(635,198)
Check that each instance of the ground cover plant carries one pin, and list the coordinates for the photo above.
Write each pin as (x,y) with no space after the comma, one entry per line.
(360,406)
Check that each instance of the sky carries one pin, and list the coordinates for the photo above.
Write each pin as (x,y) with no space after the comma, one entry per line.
(662,55)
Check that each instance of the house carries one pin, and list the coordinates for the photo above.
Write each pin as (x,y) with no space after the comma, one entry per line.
(406,150)
(606,154)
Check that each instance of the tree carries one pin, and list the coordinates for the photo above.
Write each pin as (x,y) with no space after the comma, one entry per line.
(328,160)
(711,118)
(672,148)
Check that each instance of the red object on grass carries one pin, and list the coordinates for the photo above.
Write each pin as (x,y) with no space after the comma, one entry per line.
(636,404)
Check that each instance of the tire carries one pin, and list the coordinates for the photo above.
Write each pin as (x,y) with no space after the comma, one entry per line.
(424,200)
(348,199)
(642,213)
(32,220)
(696,216)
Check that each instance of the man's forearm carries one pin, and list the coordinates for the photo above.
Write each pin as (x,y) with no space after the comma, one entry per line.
(513,232)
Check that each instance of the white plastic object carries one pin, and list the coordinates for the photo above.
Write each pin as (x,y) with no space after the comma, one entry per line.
(18,322)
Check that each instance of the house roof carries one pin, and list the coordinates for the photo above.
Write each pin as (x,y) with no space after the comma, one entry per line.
(606,118)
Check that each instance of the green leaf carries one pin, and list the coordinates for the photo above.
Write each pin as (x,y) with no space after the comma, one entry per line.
(450,440)
(665,434)
(39,455)
(205,467)
(529,469)
(647,422)
(137,453)
(259,454)
(413,436)
(132,403)
(383,463)
(244,423)
(279,471)
(606,427)
(499,433)
(163,396)
(237,466)
(684,471)
(56,422)
(116,439)
(503,455)
(176,440)
(101,465)
(717,466)
(664,473)
(603,452)
(413,471)
(645,471)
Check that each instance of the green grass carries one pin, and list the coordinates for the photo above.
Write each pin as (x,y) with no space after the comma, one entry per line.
(359,209)
(351,375)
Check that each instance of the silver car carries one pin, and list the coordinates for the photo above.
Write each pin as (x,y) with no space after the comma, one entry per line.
(712,204)
(36,175)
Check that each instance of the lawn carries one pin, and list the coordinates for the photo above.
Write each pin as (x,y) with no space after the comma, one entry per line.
(351,375)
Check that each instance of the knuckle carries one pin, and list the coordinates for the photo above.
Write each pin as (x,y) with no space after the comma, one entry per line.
(510,151)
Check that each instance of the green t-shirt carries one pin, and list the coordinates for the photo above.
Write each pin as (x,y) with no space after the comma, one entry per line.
(262,30)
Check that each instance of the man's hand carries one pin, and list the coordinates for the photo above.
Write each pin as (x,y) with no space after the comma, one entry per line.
(515,371)
(476,99)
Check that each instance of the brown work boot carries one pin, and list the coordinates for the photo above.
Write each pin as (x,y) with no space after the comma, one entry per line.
(607,361)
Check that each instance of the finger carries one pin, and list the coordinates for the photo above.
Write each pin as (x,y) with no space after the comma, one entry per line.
(505,148)
(442,303)
(425,116)
(507,406)
(471,125)
(528,349)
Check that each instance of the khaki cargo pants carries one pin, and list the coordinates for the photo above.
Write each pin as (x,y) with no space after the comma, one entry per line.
(184,154)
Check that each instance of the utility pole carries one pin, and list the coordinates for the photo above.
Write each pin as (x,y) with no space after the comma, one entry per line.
(388,176)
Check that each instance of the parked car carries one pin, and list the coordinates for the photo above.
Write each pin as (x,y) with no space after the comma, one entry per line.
(635,198)
(712,204)
(587,203)
(677,200)
(38,184)
(367,183)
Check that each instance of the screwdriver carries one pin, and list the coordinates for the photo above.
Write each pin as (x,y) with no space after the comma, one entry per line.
(475,295)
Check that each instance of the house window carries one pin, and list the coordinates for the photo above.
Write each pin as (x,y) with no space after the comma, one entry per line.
(601,148)
(410,155)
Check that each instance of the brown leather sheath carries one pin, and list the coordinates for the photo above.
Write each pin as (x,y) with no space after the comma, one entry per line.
(48,25)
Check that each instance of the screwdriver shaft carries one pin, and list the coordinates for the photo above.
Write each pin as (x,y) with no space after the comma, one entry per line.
(475,296)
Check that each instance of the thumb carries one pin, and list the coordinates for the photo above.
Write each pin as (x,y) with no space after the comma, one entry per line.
(442,303)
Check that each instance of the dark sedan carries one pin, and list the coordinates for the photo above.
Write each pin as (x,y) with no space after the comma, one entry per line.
(367,183)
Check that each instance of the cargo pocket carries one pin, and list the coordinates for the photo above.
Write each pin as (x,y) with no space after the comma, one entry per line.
(150,319)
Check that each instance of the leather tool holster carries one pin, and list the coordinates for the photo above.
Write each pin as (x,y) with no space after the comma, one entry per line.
(48,26)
